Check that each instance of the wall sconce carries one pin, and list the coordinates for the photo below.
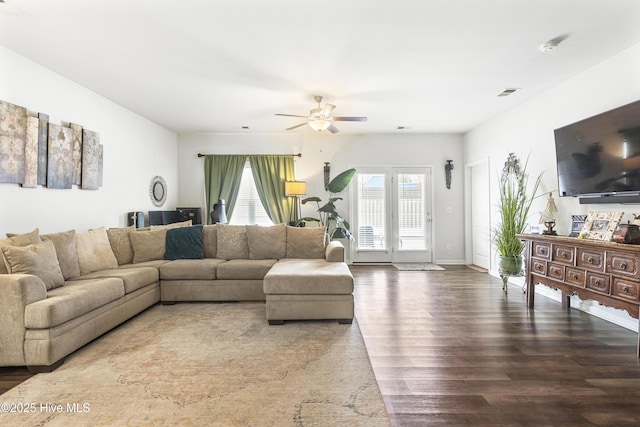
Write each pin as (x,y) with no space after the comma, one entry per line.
(327,173)
(295,189)
(447,173)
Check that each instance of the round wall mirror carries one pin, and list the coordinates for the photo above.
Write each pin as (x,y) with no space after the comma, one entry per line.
(158,191)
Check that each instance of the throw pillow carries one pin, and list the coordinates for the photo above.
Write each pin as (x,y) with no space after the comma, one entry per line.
(65,244)
(148,245)
(210,241)
(25,239)
(186,223)
(267,242)
(232,242)
(305,242)
(121,244)
(94,251)
(184,243)
(18,240)
(38,259)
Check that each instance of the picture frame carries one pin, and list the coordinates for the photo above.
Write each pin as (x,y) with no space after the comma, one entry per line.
(577,223)
(600,225)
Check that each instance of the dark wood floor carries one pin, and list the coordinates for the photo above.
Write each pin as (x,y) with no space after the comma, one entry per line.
(450,348)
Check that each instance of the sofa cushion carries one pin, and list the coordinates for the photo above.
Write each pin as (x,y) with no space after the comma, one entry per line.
(232,242)
(308,277)
(17,240)
(244,269)
(38,259)
(267,242)
(184,243)
(305,242)
(190,269)
(76,298)
(65,244)
(134,278)
(148,245)
(94,251)
(210,241)
(25,239)
(120,244)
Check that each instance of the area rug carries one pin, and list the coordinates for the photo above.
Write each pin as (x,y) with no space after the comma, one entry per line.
(206,364)
(417,267)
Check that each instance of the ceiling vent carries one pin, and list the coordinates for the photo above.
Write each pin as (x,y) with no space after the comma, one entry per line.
(507,92)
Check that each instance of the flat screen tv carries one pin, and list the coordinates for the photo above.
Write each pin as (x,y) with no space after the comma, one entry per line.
(599,157)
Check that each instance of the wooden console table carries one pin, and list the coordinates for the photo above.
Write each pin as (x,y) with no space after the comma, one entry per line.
(606,272)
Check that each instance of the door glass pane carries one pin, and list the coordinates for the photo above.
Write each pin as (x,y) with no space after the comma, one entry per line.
(411,212)
(371,233)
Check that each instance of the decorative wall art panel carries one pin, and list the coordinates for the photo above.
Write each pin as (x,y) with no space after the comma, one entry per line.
(31,153)
(76,147)
(60,157)
(43,140)
(101,169)
(13,131)
(35,152)
(90,160)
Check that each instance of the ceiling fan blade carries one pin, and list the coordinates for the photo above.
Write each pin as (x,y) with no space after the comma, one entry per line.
(296,126)
(327,109)
(349,119)
(333,129)
(290,115)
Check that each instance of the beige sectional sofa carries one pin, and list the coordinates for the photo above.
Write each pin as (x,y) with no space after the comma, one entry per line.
(60,291)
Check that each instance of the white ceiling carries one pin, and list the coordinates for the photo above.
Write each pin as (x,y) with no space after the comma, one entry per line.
(219,65)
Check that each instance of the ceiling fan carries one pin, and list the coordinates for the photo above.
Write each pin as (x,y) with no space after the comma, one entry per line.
(320,119)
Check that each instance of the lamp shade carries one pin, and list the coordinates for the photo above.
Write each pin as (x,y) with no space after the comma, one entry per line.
(295,188)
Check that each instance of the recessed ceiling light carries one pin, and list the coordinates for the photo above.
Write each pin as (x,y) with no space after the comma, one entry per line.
(553,43)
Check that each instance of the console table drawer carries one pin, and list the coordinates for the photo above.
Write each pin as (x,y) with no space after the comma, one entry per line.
(538,266)
(626,289)
(590,259)
(575,276)
(598,283)
(542,250)
(622,264)
(563,254)
(556,271)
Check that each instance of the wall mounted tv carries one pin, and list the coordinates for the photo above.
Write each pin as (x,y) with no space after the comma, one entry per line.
(599,158)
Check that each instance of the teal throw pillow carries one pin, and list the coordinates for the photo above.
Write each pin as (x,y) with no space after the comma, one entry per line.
(184,243)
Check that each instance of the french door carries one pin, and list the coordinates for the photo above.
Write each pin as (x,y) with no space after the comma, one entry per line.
(391,219)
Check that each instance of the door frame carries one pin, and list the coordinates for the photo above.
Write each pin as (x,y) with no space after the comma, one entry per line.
(468,187)
(393,171)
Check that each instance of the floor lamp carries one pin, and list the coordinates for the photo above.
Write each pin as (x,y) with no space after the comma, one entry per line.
(295,189)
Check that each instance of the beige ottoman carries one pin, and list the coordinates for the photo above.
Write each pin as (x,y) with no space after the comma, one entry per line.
(308,289)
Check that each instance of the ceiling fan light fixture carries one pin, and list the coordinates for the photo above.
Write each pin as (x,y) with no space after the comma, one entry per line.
(319,124)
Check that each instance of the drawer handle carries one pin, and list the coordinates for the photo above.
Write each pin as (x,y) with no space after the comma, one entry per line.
(625,289)
(590,260)
(623,265)
(597,282)
(564,255)
(543,251)
(575,276)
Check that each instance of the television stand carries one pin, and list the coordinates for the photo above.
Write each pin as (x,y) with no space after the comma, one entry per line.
(606,272)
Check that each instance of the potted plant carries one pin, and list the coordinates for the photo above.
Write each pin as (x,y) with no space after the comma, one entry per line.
(513,209)
(337,226)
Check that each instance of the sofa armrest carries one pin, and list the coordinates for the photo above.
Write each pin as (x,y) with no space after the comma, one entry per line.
(16,292)
(334,252)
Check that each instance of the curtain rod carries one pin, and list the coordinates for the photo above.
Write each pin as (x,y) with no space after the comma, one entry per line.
(294,155)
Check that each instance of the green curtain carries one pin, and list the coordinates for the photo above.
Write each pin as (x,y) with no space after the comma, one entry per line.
(269,173)
(222,175)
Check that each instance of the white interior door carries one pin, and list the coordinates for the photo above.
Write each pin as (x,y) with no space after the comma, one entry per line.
(391,218)
(480,209)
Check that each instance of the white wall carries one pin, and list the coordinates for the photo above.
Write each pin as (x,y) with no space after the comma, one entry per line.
(528,131)
(135,150)
(343,152)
